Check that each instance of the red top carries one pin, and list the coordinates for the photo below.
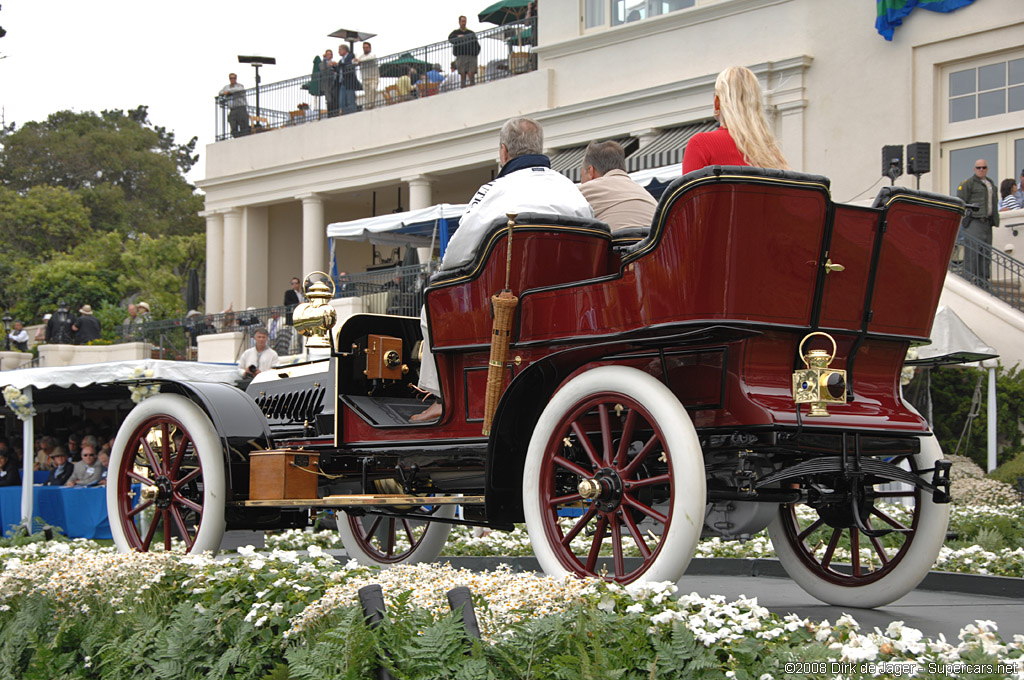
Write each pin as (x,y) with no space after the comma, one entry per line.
(711,148)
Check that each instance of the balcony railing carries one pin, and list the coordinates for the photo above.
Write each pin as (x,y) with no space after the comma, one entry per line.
(989,269)
(421,72)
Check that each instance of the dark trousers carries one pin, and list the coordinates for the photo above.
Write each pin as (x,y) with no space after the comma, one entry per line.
(978,262)
(238,118)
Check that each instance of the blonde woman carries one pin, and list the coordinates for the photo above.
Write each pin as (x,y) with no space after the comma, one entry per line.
(744,137)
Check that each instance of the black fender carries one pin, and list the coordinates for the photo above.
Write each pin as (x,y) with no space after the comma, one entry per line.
(237,419)
(528,394)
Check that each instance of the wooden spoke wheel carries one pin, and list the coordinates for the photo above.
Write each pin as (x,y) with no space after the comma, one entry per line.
(880,569)
(385,539)
(166,478)
(615,448)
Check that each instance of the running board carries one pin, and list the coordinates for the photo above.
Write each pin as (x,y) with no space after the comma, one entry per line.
(384,500)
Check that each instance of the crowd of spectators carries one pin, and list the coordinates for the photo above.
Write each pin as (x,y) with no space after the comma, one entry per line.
(82,461)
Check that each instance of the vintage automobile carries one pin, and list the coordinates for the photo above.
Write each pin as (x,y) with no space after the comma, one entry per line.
(732,368)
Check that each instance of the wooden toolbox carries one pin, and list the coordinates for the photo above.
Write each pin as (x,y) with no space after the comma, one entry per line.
(282,475)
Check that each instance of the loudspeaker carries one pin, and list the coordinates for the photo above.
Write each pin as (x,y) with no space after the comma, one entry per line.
(919,158)
(892,161)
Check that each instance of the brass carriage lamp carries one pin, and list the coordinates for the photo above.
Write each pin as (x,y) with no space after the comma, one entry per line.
(315,318)
(817,384)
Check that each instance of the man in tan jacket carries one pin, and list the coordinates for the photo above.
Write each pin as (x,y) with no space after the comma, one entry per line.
(615,198)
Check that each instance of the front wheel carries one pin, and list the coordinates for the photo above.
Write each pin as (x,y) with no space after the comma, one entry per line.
(880,570)
(614,467)
(166,478)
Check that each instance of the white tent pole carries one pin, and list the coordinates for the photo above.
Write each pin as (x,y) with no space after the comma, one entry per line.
(991,418)
(28,458)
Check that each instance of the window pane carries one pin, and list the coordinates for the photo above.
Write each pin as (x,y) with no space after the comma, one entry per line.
(1018,152)
(962,82)
(961,108)
(961,163)
(991,103)
(1016,98)
(992,76)
(594,13)
(1017,72)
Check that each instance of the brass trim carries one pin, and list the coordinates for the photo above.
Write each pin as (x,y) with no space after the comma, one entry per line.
(380,500)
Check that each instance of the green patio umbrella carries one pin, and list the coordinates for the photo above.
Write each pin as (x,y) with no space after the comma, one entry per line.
(396,68)
(505,12)
(313,86)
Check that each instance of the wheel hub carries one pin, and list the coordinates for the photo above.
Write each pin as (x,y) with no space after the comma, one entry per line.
(838,513)
(605,489)
(164,492)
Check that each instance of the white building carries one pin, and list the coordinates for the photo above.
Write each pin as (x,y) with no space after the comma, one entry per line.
(836,92)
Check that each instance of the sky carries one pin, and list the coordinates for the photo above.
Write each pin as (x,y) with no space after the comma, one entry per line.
(175,56)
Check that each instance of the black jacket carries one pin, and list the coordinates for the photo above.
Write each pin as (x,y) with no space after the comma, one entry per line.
(88,329)
(60,477)
(9,474)
(58,329)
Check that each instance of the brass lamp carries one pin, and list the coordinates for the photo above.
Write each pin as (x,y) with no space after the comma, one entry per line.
(315,318)
(817,384)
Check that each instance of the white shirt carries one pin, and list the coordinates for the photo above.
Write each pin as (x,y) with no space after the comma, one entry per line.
(263,361)
(368,66)
(533,189)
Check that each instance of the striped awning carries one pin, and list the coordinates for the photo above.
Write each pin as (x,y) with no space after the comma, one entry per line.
(568,161)
(667,148)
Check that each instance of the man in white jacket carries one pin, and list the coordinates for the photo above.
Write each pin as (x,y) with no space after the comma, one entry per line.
(526,183)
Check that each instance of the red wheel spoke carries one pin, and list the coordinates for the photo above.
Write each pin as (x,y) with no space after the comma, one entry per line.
(179,456)
(165,445)
(187,478)
(810,530)
(408,532)
(640,457)
(626,440)
(855,551)
(571,467)
(580,523)
(390,536)
(139,508)
(167,529)
(588,448)
(179,521)
(638,537)
(154,464)
(606,435)
(132,474)
(826,559)
(620,565)
(562,500)
(373,527)
(657,479)
(650,512)
(879,550)
(191,505)
(152,532)
(888,520)
(595,545)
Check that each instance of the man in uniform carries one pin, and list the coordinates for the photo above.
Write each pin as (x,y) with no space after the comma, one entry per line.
(981,192)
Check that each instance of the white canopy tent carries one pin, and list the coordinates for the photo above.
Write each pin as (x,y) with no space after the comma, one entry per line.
(413,228)
(27,380)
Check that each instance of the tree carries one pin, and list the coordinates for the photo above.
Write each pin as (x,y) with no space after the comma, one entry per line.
(129,173)
(41,220)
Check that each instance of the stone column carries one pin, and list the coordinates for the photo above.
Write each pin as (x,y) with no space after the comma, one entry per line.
(232,292)
(419,198)
(214,260)
(256,262)
(314,237)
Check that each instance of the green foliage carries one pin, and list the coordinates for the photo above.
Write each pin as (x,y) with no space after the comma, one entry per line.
(1010,470)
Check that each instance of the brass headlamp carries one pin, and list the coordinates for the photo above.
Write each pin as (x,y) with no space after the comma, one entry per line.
(817,384)
(315,318)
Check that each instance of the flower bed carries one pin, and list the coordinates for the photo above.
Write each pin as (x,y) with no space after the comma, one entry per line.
(75,610)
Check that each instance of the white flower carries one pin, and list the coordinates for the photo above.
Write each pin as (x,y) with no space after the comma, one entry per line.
(635,609)
(606,604)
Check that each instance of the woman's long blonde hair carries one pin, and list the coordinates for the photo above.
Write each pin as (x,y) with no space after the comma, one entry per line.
(741,111)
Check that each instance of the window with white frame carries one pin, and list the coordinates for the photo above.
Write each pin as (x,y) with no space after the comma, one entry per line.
(988,90)
(616,12)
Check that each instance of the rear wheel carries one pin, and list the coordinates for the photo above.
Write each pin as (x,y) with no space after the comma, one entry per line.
(614,468)
(166,478)
(387,539)
(880,569)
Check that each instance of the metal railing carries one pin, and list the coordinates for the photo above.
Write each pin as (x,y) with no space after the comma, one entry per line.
(990,269)
(396,290)
(425,71)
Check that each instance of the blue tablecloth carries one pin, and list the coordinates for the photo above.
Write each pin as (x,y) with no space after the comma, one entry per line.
(81,512)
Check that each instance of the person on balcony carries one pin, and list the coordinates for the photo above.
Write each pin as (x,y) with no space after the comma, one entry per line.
(87,327)
(58,328)
(465,47)
(615,198)
(232,96)
(370,74)
(526,182)
(347,81)
(329,82)
(982,197)
(744,137)
(1007,189)
(18,337)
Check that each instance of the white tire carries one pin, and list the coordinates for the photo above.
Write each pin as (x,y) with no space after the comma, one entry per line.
(644,462)
(903,568)
(184,489)
(382,540)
